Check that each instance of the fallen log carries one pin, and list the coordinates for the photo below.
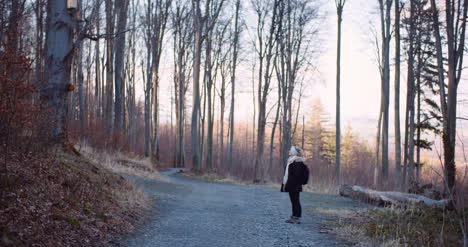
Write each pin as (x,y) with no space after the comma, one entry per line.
(390,198)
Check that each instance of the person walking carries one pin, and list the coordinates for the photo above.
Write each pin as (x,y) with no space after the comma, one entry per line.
(296,174)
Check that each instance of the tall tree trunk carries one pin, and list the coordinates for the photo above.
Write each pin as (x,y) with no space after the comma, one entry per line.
(339,9)
(233,82)
(456,30)
(59,45)
(14,31)
(196,162)
(97,61)
(221,122)
(209,84)
(122,12)
(39,41)
(81,92)
(385,10)
(418,133)
(110,26)
(411,98)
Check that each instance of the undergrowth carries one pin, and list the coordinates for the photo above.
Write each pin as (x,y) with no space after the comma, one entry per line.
(411,227)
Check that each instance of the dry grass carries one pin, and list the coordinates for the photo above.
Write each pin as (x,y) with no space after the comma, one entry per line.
(131,197)
(121,163)
(228,179)
(396,227)
(321,188)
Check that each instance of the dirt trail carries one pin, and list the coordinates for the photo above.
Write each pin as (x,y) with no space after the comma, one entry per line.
(195,213)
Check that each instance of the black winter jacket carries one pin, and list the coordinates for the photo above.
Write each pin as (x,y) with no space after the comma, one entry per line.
(298,175)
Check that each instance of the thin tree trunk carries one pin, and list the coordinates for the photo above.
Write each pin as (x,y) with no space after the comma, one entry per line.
(97,86)
(81,93)
(233,83)
(209,83)
(339,6)
(39,41)
(418,134)
(397,94)
(377,152)
(410,105)
(110,23)
(273,131)
(386,36)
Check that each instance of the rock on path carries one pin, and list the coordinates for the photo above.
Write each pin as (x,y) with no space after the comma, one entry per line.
(194,213)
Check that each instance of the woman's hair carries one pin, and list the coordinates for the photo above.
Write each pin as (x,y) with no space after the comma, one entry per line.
(297,151)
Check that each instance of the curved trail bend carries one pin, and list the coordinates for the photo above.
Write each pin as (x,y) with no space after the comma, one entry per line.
(192,213)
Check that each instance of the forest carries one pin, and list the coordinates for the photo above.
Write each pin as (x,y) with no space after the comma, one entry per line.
(222,87)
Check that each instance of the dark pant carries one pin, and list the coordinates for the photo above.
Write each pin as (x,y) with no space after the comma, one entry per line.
(296,204)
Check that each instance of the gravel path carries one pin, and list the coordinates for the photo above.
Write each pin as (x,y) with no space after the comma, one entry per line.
(195,213)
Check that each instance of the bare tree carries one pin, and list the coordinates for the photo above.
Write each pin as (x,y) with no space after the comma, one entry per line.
(223,37)
(110,27)
(158,23)
(293,51)
(182,37)
(455,27)
(203,23)
(265,45)
(385,19)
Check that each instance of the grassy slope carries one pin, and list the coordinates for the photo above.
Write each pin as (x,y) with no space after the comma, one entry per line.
(61,199)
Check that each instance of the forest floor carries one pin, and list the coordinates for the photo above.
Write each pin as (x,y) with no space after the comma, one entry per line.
(193,212)
(70,198)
